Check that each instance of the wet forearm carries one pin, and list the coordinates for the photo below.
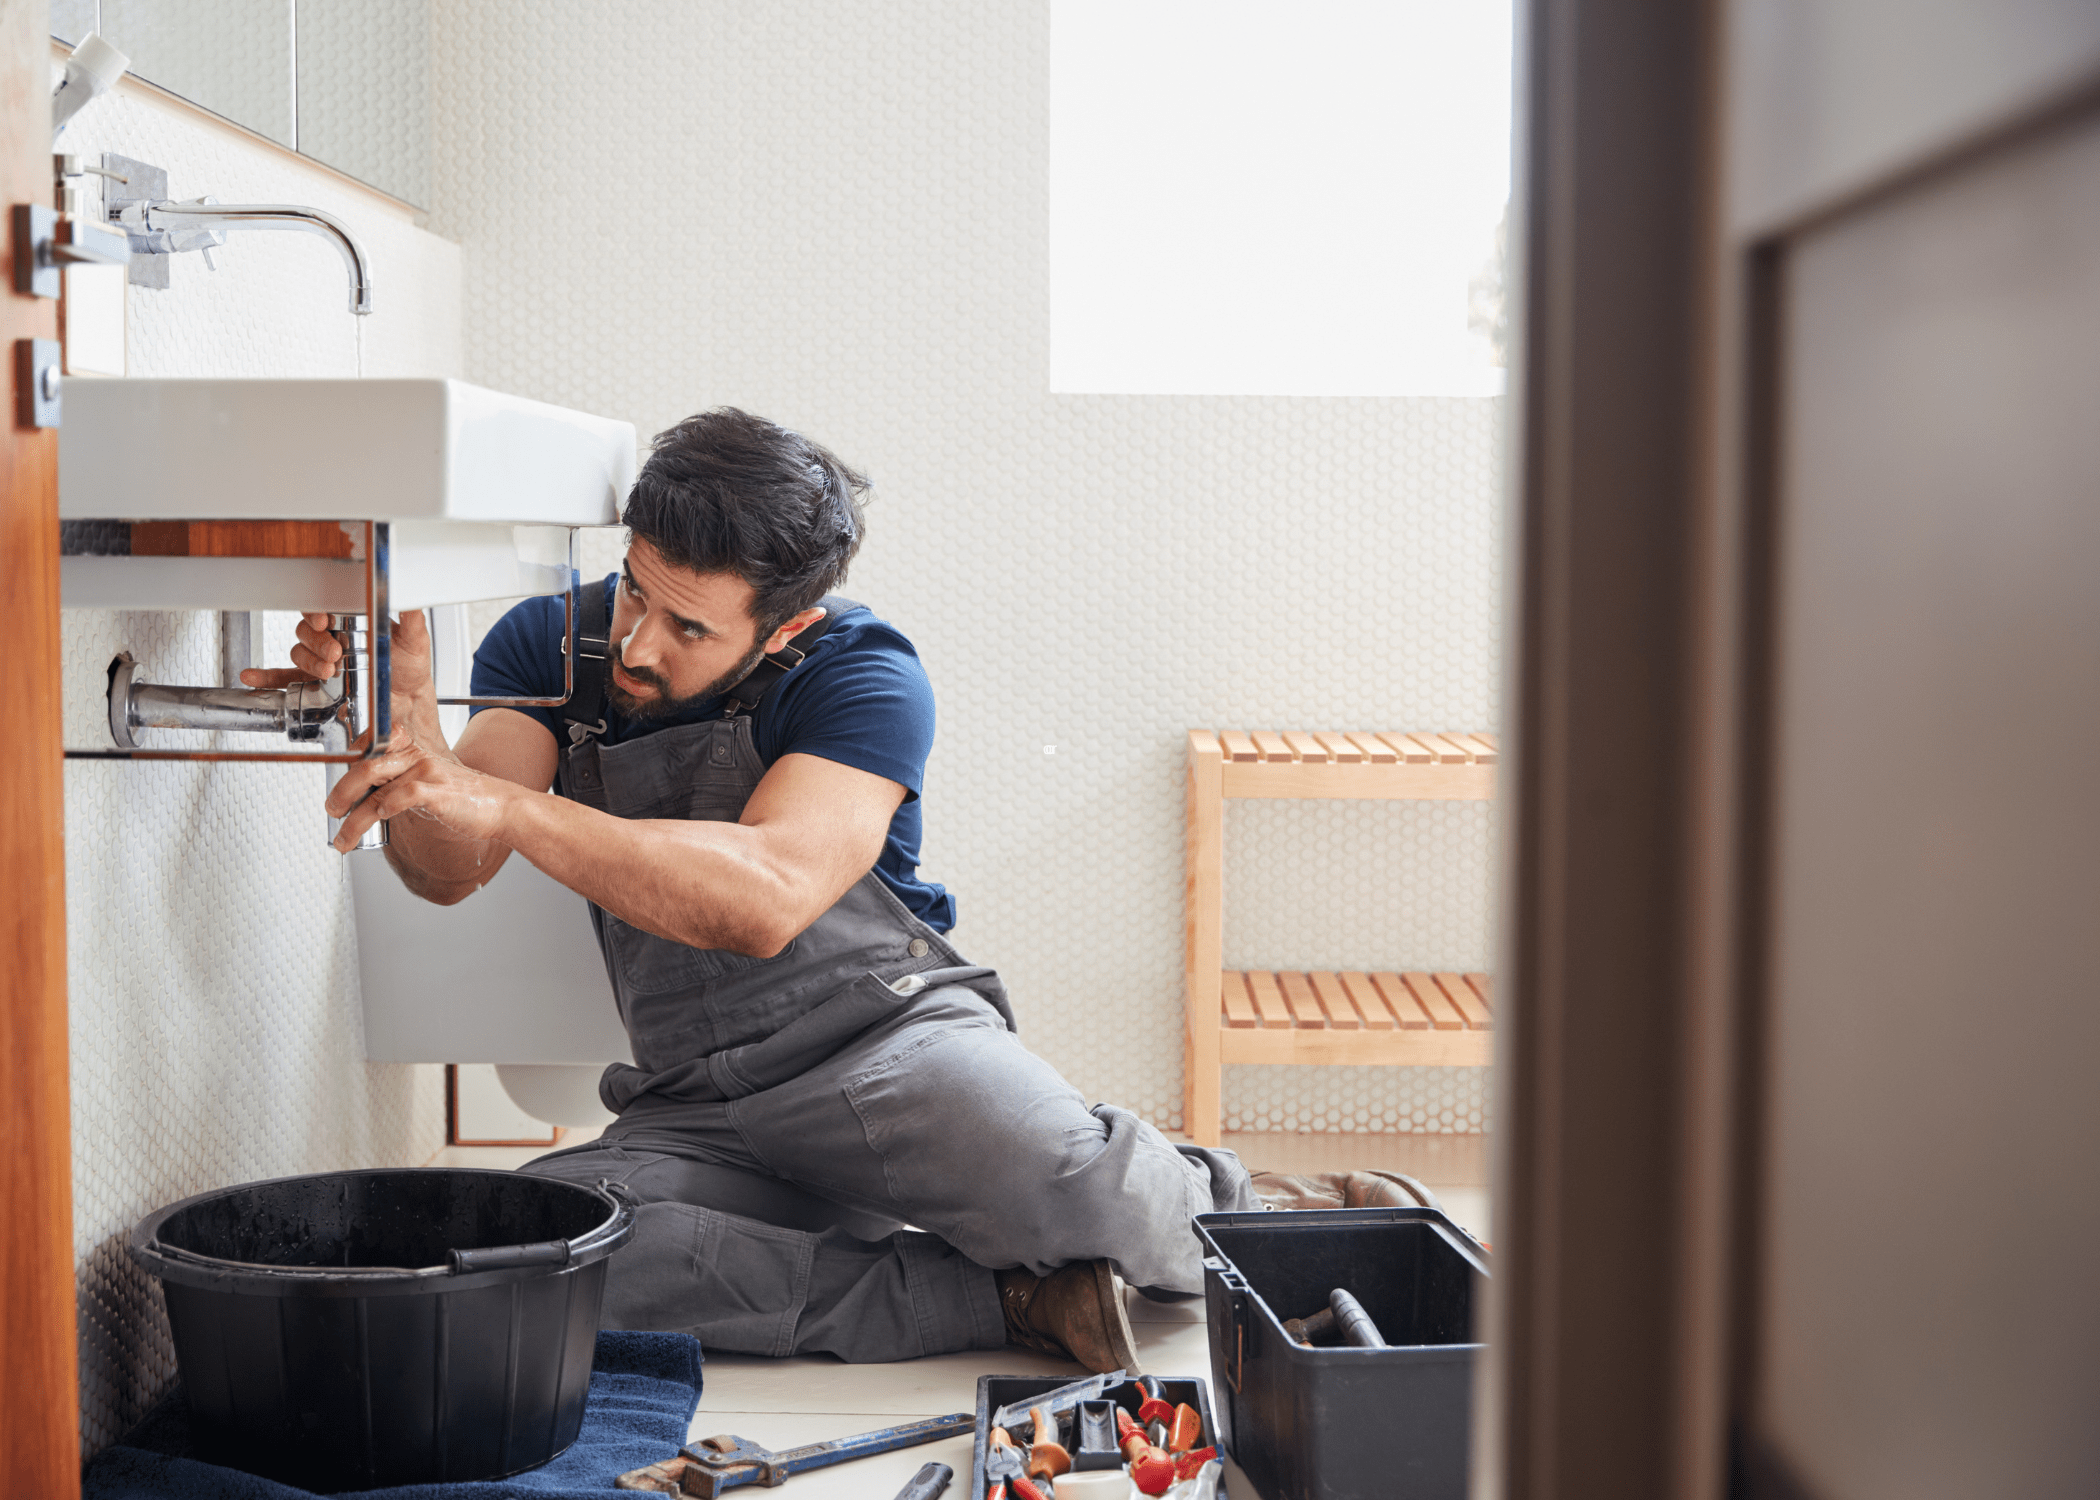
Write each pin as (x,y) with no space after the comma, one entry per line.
(707,884)
(434,866)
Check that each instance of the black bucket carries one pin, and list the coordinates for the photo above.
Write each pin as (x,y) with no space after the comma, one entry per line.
(355,1329)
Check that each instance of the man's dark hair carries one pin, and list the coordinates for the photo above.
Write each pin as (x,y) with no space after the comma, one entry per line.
(727,492)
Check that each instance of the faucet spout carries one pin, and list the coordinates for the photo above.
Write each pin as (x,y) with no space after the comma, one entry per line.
(171,218)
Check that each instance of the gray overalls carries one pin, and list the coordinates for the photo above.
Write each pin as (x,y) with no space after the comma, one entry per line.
(786,1117)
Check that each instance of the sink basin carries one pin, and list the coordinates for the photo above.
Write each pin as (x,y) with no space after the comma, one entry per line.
(470,478)
(334,450)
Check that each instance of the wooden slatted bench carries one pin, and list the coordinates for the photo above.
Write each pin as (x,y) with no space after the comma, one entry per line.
(1397,1020)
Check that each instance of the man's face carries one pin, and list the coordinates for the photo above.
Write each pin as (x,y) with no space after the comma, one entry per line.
(681,636)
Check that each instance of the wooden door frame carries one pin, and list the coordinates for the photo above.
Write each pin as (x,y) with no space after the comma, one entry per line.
(1618,1095)
(40,1419)
(1644,430)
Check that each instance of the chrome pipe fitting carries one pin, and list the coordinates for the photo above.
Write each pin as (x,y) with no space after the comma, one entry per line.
(330,714)
(343,729)
(154,705)
(299,711)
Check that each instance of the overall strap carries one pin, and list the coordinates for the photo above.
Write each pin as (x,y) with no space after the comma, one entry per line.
(764,677)
(585,710)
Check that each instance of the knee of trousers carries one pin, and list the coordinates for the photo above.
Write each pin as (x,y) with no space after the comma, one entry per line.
(1132,1202)
(735,1284)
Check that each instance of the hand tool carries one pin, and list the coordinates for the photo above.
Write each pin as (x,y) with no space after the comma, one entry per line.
(1356,1325)
(928,1483)
(1188,1465)
(1060,1400)
(1047,1457)
(1343,1318)
(1155,1407)
(1003,1472)
(715,1464)
(1310,1330)
(1152,1472)
(1155,1411)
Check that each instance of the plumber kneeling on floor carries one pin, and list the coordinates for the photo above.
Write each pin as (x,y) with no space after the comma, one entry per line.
(736,782)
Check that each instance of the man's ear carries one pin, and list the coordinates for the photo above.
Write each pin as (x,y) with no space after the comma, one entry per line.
(794,627)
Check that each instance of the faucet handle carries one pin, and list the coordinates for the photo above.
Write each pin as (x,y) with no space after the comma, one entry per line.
(163,229)
(70,164)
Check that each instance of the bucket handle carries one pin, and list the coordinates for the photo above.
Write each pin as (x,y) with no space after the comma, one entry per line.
(551,1252)
(509,1257)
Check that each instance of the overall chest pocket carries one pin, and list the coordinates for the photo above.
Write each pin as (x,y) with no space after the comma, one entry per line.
(650,965)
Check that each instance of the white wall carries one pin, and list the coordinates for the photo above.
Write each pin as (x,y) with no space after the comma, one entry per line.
(833,213)
(211,967)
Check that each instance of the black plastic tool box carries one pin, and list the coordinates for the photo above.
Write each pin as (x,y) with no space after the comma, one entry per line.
(1345,1423)
(995,1391)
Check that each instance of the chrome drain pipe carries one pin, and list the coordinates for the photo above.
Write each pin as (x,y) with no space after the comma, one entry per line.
(343,729)
(331,714)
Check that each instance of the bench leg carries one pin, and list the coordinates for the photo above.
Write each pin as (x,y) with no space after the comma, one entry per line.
(1204,919)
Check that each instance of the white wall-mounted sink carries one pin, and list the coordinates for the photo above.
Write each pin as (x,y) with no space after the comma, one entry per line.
(470,479)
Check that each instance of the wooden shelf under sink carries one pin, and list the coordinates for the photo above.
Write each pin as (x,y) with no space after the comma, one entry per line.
(242,539)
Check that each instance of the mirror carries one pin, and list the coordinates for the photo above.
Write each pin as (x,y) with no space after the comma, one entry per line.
(346,82)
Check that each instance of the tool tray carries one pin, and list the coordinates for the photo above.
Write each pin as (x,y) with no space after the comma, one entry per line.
(995,1391)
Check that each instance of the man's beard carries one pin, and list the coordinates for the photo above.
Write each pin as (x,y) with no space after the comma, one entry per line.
(663,705)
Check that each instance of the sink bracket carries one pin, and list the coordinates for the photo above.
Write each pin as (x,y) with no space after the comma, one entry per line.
(377,684)
(378,554)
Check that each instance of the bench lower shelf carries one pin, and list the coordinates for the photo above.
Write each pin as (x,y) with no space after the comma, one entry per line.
(1392,1049)
(1414,1020)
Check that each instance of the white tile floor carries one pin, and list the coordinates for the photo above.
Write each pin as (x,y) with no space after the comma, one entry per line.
(784,1402)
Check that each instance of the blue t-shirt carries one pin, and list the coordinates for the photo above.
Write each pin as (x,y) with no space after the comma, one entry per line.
(860,698)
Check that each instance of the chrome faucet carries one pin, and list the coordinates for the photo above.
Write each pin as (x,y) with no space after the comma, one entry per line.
(166,228)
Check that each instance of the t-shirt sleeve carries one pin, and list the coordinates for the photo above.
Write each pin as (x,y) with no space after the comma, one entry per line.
(520,657)
(868,706)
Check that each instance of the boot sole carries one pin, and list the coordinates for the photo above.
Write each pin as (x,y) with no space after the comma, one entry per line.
(1108,1287)
(1423,1198)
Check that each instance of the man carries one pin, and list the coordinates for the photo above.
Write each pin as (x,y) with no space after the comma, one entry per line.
(735,790)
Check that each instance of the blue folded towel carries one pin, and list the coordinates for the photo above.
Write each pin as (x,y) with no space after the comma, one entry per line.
(644,1390)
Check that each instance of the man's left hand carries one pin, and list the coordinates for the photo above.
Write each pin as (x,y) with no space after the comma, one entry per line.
(464,805)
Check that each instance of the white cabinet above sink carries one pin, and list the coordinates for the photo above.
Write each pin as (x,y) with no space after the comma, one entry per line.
(472,481)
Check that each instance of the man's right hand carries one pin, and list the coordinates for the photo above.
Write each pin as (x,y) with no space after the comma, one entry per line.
(318,655)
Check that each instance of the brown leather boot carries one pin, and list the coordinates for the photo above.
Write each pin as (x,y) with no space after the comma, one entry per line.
(1292,1190)
(1075,1313)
